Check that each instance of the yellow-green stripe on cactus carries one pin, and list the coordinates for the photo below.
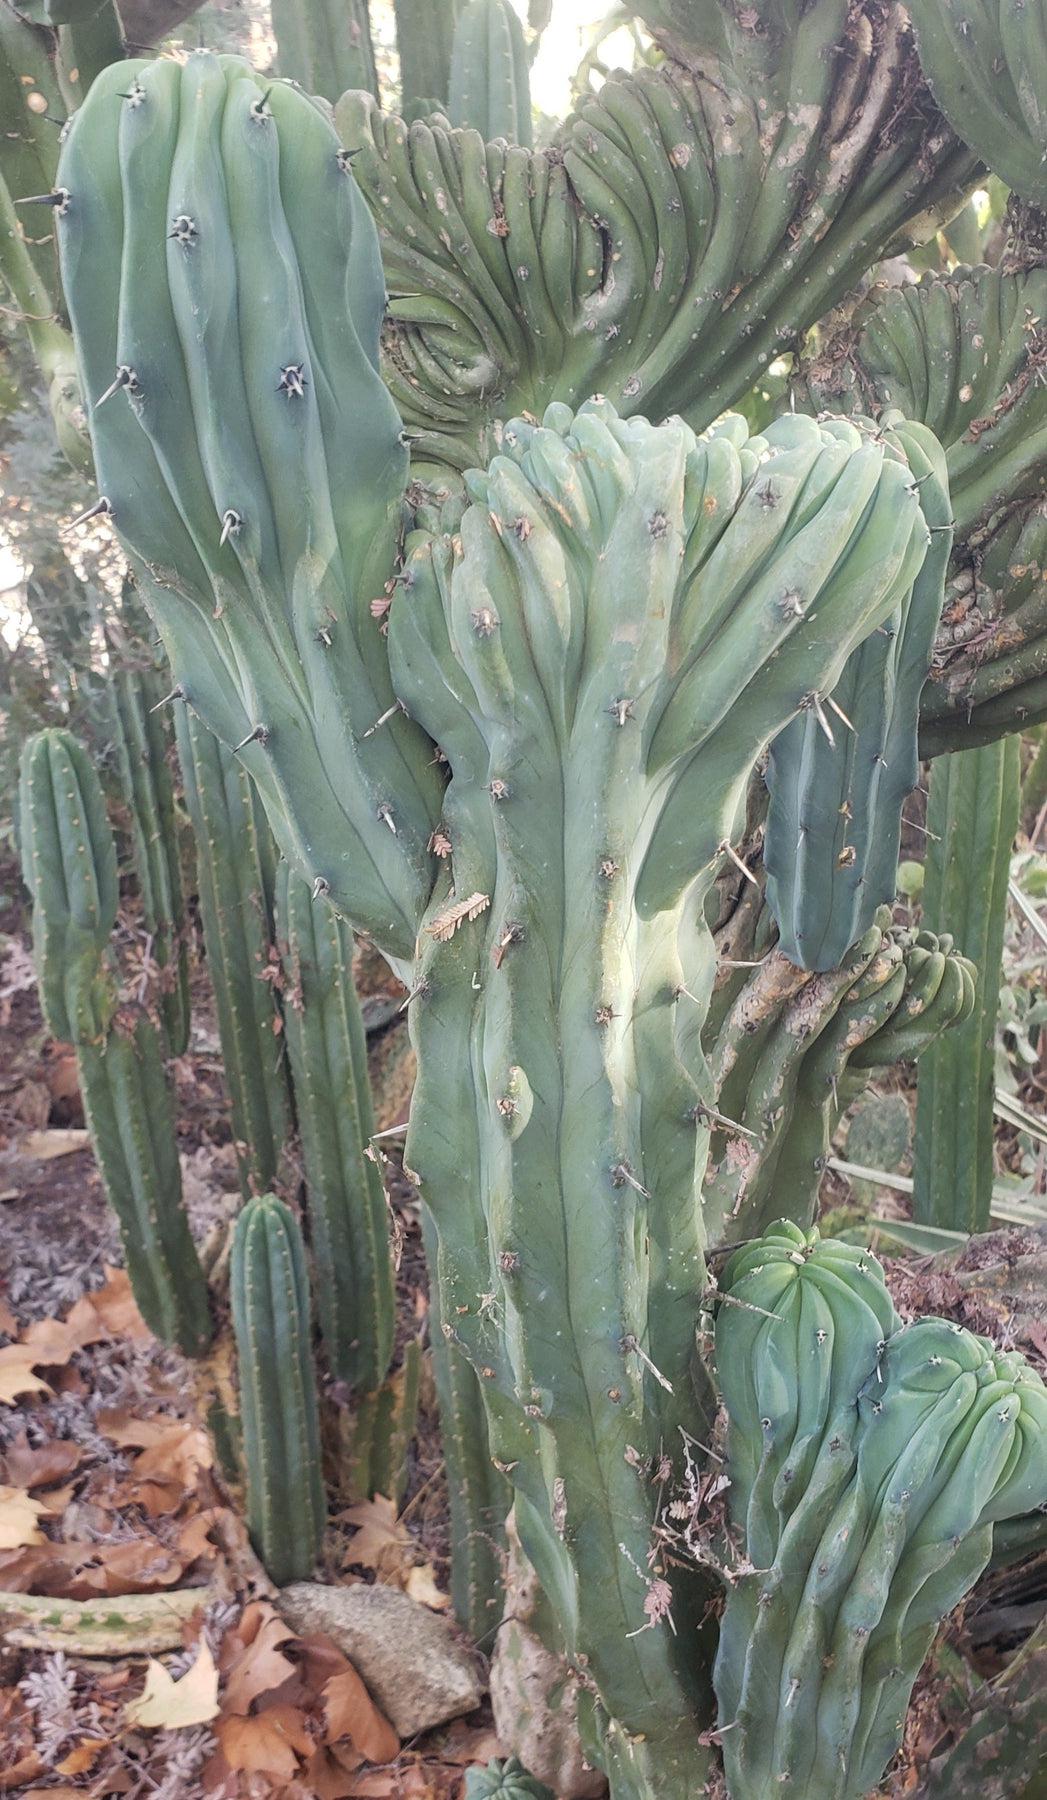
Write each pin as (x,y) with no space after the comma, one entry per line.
(489,88)
(69,863)
(347,1211)
(867,1475)
(269,1288)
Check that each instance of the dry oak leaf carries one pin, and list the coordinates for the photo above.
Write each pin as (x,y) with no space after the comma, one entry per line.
(82,1757)
(171,1449)
(24,1466)
(420,1585)
(330,1773)
(380,1541)
(351,1713)
(266,1743)
(18,1515)
(17,1375)
(252,1662)
(166,1705)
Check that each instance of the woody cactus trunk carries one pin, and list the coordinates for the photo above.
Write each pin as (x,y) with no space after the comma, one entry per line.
(507,725)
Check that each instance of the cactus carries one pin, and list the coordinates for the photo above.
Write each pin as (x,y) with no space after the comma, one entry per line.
(507,1780)
(839,774)
(325,45)
(234,877)
(983,72)
(478,1494)
(383,1427)
(962,353)
(863,1524)
(618,263)
(972,815)
(347,1212)
(69,864)
(424,35)
(142,747)
(488,86)
(269,1290)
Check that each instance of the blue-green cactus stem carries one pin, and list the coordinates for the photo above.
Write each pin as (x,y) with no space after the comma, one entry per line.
(269,1289)
(234,884)
(596,770)
(488,86)
(222,271)
(424,35)
(983,64)
(348,1218)
(972,816)
(840,774)
(325,45)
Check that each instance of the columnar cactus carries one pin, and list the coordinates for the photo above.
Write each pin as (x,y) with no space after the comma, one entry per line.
(868,1465)
(325,45)
(269,1288)
(488,86)
(235,875)
(69,863)
(347,1211)
(972,817)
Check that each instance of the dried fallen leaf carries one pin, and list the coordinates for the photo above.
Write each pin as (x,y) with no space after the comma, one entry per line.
(379,1538)
(18,1515)
(351,1713)
(171,1449)
(252,1661)
(30,1467)
(268,1743)
(166,1705)
(8,1322)
(82,1757)
(420,1585)
(17,1374)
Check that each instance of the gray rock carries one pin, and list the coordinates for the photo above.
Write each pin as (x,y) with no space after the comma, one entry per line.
(414,1668)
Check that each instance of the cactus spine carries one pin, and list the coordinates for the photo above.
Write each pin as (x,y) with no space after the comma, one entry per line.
(234,875)
(489,88)
(868,1467)
(269,1289)
(972,815)
(69,863)
(347,1213)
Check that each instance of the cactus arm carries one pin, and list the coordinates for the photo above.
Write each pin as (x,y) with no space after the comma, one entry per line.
(127,1105)
(69,862)
(383,1427)
(269,1290)
(981,71)
(325,45)
(478,1493)
(424,35)
(488,87)
(347,1212)
(293,666)
(141,753)
(232,842)
(86,46)
(839,775)
(973,815)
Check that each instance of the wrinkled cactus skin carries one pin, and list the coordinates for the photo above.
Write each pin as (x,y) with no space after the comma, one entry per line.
(867,1474)
(269,1289)
(69,864)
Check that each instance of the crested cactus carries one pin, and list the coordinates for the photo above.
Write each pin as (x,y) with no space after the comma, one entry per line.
(348,1218)
(868,1464)
(234,882)
(269,1289)
(514,740)
(972,816)
(488,85)
(69,862)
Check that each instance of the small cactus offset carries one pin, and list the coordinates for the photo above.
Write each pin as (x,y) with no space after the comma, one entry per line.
(867,1473)
(269,1288)
(348,1218)
(489,88)
(972,818)
(234,877)
(69,862)
(507,1780)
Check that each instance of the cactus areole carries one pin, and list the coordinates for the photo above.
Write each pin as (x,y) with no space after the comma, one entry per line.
(514,755)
